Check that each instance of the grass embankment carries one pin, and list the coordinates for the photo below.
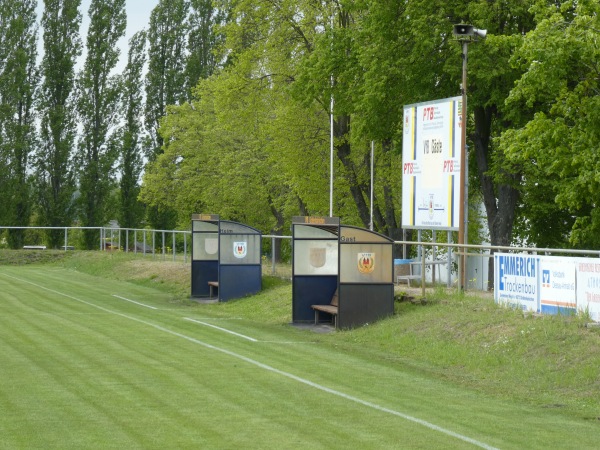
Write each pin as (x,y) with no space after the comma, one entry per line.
(548,362)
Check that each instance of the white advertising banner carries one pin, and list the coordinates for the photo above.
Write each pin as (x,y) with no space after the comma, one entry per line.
(588,287)
(516,281)
(557,286)
(548,284)
(431,150)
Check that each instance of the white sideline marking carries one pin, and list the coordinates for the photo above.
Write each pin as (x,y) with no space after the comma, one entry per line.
(133,301)
(351,398)
(221,329)
(242,335)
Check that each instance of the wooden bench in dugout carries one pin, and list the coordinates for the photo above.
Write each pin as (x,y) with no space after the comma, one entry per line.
(332,309)
(211,286)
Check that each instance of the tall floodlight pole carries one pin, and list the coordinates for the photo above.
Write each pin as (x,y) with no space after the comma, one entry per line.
(464,34)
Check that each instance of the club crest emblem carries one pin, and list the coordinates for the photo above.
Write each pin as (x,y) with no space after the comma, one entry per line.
(366,262)
(317,257)
(240,249)
(211,245)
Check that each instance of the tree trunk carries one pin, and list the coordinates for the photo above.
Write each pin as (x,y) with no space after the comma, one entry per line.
(342,132)
(500,200)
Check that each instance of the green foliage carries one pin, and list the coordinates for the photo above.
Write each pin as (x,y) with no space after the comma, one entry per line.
(131,163)
(54,170)
(558,145)
(238,102)
(267,113)
(202,40)
(99,93)
(19,80)
(165,83)
(165,79)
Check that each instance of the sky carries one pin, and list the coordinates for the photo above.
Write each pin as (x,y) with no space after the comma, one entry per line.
(138,17)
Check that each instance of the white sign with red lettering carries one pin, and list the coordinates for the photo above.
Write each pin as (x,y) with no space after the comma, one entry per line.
(431,150)
(588,287)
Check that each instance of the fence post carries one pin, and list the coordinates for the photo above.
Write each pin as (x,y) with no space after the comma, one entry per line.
(449,261)
(423,272)
(273,255)
(184,247)
(66,239)
(173,233)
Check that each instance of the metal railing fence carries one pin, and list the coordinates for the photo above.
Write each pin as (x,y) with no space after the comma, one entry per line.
(276,256)
(168,244)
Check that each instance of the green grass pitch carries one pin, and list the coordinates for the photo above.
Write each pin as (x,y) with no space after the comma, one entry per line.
(90,363)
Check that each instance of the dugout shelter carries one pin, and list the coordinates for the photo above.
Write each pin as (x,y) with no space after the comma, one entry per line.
(354,263)
(225,258)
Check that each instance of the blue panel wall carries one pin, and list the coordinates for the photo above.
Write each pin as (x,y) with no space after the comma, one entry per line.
(239,281)
(202,273)
(311,290)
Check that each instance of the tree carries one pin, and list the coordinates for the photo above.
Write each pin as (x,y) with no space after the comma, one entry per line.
(201,60)
(55,183)
(372,59)
(98,100)
(558,140)
(131,161)
(18,83)
(165,82)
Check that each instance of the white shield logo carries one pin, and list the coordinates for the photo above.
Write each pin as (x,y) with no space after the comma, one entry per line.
(240,249)
(317,257)
(211,245)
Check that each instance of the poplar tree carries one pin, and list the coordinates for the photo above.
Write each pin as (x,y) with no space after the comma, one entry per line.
(18,82)
(201,60)
(4,179)
(131,163)
(98,110)
(55,182)
(165,82)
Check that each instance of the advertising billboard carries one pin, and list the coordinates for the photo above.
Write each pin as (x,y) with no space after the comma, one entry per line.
(517,281)
(588,287)
(557,286)
(431,153)
(548,284)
